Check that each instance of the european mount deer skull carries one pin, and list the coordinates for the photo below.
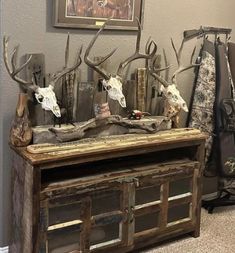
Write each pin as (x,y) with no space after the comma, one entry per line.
(169,89)
(45,96)
(113,83)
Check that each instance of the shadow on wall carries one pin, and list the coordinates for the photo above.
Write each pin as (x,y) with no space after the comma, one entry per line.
(6,171)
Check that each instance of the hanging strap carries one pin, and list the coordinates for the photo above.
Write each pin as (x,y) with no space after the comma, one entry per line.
(225,139)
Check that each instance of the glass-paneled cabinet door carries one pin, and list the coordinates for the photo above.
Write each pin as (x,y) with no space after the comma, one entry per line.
(163,200)
(88,223)
(108,218)
(61,226)
(147,206)
(180,201)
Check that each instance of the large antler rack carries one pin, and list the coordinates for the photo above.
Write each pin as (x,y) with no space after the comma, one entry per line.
(96,65)
(137,55)
(14,71)
(169,89)
(178,53)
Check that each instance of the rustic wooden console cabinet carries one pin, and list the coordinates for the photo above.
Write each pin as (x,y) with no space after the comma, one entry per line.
(110,196)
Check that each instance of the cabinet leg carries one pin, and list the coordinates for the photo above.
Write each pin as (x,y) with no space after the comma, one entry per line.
(195,233)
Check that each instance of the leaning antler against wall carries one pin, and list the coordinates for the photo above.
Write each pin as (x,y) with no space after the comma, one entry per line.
(113,83)
(175,102)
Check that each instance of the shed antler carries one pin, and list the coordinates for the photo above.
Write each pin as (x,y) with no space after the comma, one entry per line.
(113,83)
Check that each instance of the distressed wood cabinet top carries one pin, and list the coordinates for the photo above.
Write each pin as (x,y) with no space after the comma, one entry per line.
(87,150)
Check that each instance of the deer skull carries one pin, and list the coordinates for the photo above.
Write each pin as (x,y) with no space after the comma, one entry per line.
(113,83)
(47,98)
(172,94)
(114,88)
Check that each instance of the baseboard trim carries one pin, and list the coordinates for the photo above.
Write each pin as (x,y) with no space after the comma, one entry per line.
(4,250)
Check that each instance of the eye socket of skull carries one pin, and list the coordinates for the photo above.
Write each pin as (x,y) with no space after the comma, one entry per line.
(40,98)
(169,93)
(108,87)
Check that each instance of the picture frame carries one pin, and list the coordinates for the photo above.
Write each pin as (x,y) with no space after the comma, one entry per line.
(91,14)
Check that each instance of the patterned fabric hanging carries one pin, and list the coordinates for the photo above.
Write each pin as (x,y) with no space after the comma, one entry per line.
(202,110)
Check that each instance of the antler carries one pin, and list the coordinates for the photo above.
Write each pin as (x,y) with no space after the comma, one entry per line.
(155,71)
(137,54)
(178,55)
(13,70)
(67,70)
(96,65)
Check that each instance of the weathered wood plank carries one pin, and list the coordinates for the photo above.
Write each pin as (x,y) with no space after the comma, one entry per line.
(145,143)
(23,216)
(107,218)
(148,208)
(129,91)
(100,94)
(197,188)
(85,101)
(139,172)
(180,200)
(114,106)
(36,69)
(141,89)
(128,209)
(68,100)
(164,206)
(155,235)
(124,140)
(86,225)
(154,102)
(44,216)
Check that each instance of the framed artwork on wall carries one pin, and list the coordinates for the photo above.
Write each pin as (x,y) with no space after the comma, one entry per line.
(91,14)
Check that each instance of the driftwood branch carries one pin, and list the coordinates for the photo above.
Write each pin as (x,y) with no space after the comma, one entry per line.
(78,132)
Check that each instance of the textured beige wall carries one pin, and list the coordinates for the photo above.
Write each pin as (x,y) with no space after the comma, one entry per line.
(29,23)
